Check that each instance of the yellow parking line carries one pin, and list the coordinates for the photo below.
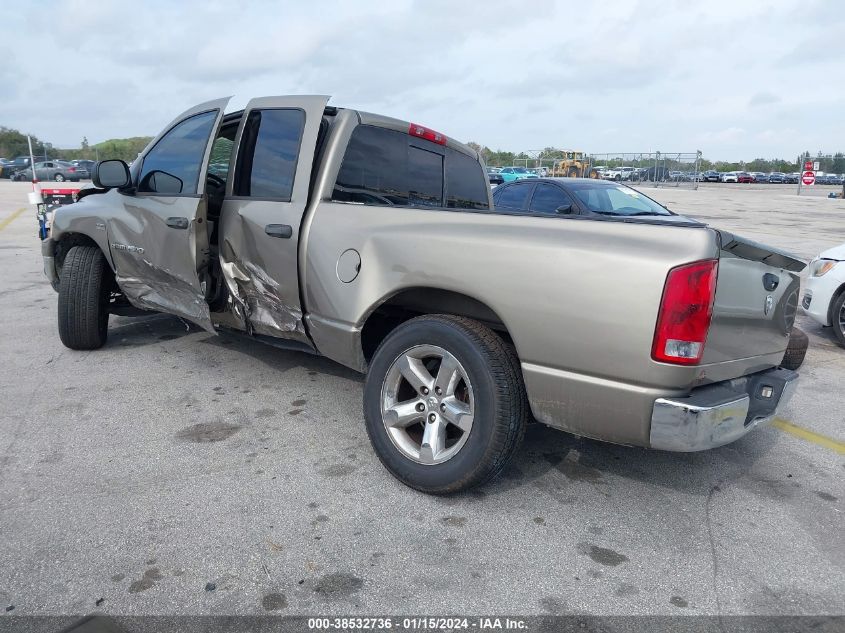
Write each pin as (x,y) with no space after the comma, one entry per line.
(804,434)
(7,221)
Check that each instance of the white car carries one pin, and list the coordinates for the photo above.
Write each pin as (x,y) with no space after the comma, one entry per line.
(612,173)
(626,173)
(730,176)
(824,295)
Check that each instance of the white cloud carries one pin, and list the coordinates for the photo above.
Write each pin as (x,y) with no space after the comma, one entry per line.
(679,77)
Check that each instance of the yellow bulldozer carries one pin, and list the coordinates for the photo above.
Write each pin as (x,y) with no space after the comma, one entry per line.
(574,165)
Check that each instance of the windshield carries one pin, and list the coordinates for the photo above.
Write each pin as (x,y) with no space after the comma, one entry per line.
(615,200)
(520,170)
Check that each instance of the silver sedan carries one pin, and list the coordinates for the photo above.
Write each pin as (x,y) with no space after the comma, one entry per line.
(51,170)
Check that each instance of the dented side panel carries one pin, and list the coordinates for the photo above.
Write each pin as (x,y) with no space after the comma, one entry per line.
(156,266)
(260,269)
(263,291)
(159,241)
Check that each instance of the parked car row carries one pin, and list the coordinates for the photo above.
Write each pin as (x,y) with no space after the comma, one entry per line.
(46,169)
(774,177)
(656,173)
(663,174)
(53,170)
(8,168)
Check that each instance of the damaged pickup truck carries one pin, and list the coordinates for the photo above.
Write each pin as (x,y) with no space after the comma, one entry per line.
(375,242)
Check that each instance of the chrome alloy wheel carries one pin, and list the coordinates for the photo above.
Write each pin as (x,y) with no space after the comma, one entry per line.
(427,404)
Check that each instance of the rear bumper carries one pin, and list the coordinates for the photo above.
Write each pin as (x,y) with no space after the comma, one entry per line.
(720,413)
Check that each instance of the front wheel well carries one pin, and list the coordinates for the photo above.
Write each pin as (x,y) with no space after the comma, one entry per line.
(67,242)
(413,302)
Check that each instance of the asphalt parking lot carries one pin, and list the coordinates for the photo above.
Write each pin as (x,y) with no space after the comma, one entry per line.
(179,472)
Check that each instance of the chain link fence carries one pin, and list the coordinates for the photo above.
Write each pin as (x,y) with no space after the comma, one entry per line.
(658,169)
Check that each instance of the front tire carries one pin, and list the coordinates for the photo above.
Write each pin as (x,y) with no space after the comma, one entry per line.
(837,318)
(59,178)
(444,403)
(84,293)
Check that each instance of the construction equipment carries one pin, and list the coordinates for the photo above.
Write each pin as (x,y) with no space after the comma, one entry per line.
(574,165)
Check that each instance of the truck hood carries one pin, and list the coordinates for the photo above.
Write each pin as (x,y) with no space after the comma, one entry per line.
(837,253)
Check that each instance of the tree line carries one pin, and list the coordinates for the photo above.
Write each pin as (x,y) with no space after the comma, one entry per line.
(13,143)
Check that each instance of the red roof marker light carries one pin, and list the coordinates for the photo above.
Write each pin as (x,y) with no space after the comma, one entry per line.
(427,133)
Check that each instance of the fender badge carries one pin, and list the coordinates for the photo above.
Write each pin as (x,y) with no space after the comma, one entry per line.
(767,307)
(128,247)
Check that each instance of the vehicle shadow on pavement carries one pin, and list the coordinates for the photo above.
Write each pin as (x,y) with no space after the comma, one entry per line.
(553,460)
(281,360)
(147,330)
(549,459)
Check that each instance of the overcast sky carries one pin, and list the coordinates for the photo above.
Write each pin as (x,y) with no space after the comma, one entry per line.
(737,79)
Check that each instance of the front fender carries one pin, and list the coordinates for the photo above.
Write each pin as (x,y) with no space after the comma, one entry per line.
(87,217)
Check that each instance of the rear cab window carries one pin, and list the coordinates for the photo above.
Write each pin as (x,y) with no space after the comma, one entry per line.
(466,184)
(385,167)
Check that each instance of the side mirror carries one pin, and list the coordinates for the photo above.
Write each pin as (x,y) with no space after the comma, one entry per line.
(109,174)
(564,208)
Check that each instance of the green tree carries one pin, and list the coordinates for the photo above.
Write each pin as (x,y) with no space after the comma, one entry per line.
(13,143)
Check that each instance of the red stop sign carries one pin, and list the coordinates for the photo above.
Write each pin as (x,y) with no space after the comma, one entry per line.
(808,178)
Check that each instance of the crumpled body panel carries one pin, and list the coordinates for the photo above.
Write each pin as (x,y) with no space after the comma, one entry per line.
(160,290)
(256,300)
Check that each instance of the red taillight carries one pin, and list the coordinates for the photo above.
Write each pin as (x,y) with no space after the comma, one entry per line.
(685,312)
(71,169)
(426,133)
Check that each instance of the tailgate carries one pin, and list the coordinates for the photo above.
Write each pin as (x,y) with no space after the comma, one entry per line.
(756,300)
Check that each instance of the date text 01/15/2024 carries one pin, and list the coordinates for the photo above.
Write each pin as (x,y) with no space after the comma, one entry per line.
(417,623)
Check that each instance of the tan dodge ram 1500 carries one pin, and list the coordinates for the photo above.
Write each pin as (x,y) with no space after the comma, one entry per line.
(376,243)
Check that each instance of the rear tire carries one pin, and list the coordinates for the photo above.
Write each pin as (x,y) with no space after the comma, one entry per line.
(496,401)
(84,293)
(796,349)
